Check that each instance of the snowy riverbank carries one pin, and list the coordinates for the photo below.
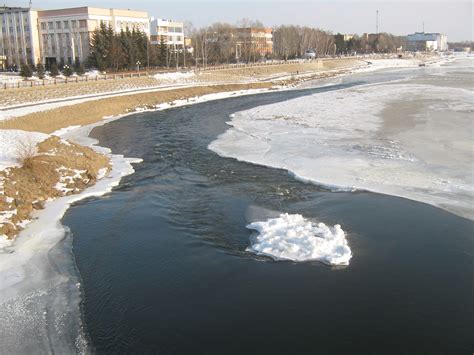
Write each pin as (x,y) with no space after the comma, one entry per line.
(39,287)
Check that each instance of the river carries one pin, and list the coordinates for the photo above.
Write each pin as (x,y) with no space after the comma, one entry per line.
(164,267)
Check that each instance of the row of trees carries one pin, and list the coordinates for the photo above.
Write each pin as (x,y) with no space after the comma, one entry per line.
(373,43)
(130,49)
(109,50)
(217,44)
(291,42)
(27,70)
(220,43)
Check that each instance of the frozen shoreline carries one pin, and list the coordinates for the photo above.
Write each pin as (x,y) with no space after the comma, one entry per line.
(388,138)
(39,292)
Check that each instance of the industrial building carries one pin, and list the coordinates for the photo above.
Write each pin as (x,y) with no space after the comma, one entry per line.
(430,42)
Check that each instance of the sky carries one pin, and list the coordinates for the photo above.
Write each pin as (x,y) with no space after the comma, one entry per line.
(451,17)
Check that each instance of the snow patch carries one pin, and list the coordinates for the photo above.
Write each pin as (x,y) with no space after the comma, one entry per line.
(176,77)
(9,145)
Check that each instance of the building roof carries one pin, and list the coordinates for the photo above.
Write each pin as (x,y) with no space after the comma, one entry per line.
(93,11)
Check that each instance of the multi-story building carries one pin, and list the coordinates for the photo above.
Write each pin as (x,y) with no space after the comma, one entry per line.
(171,32)
(59,36)
(252,41)
(19,36)
(348,37)
(65,34)
(421,41)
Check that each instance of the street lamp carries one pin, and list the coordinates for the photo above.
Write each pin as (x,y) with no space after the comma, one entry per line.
(138,65)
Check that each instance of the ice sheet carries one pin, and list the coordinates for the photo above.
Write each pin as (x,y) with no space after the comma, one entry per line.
(406,139)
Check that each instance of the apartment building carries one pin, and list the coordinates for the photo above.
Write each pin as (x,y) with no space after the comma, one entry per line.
(65,33)
(61,35)
(170,31)
(251,41)
(19,36)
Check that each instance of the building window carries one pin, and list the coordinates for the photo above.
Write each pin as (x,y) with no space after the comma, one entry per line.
(74,24)
(82,23)
(50,26)
(58,24)
(66,24)
(43,25)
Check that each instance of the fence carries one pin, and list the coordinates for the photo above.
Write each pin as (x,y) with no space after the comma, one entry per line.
(72,79)
(249,65)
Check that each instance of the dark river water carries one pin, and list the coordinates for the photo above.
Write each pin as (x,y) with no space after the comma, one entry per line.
(164,268)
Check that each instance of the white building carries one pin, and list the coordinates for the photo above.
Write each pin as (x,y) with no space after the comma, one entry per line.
(65,33)
(59,36)
(421,41)
(19,41)
(170,31)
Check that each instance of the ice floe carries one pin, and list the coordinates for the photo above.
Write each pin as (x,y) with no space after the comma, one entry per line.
(292,237)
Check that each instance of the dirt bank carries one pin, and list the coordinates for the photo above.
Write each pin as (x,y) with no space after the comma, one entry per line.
(94,111)
(60,168)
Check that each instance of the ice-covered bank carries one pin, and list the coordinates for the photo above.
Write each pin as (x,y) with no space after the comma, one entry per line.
(411,139)
(39,286)
(292,237)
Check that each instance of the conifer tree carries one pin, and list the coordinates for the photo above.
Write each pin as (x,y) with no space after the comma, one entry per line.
(54,72)
(163,52)
(67,70)
(40,70)
(25,71)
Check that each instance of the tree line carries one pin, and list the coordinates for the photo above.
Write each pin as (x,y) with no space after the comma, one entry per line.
(219,43)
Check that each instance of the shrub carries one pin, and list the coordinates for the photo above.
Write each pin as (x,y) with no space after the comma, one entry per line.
(80,70)
(67,70)
(54,72)
(40,70)
(25,150)
(25,71)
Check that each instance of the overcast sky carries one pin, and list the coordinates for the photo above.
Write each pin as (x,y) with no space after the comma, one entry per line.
(453,18)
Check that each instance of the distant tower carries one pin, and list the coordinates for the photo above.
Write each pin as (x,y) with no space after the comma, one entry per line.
(376,21)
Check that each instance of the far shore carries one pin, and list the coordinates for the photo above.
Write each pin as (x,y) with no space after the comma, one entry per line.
(225,80)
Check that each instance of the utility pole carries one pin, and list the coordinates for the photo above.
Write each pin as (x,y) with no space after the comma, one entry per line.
(423,26)
(376,21)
